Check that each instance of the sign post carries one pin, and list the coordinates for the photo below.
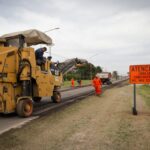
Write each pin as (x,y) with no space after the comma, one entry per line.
(139,74)
(134,111)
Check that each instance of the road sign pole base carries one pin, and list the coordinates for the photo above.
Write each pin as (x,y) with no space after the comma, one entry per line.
(134,111)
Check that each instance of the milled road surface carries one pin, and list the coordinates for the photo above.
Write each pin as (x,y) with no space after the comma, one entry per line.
(12,121)
(96,123)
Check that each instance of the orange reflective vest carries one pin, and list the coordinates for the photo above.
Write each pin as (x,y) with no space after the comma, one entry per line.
(72,82)
(97,83)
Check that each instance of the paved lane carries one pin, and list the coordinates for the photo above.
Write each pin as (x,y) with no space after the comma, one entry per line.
(13,121)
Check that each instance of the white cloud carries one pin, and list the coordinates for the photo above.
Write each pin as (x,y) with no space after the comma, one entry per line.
(118,32)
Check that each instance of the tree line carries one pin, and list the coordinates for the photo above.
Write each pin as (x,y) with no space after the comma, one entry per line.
(85,72)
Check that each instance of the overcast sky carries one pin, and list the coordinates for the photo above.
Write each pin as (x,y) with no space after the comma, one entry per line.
(110,33)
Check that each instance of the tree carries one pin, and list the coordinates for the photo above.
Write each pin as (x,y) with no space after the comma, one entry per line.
(85,72)
(98,69)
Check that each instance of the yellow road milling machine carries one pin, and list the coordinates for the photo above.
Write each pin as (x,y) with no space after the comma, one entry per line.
(22,81)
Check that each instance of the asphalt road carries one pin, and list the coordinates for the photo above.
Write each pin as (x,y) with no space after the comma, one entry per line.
(8,122)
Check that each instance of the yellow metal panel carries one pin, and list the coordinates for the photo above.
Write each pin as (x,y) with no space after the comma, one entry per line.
(45,84)
(7,97)
(58,80)
(29,53)
(9,77)
(1,104)
(8,64)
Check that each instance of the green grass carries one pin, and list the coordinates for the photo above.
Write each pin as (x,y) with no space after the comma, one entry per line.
(68,83)
(144,90)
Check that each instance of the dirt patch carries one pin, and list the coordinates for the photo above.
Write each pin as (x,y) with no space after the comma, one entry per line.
(96,123)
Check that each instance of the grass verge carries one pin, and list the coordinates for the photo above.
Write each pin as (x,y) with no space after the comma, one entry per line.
(144,90)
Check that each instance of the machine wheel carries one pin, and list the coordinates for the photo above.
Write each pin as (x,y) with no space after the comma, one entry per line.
(25,108)
(37,99)
(56,98)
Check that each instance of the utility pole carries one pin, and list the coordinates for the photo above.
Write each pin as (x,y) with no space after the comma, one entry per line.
(50,31)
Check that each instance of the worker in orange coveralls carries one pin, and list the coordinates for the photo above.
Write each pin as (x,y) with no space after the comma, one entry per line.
(72,82)
(97,83)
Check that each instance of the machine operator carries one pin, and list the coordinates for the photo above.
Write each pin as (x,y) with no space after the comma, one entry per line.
(40,60)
